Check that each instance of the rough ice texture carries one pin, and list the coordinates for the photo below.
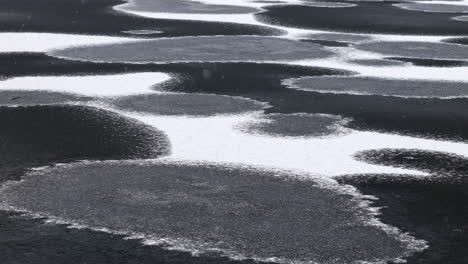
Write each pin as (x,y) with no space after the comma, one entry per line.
(187,104)
(194,49)
(241,212)
(384,87)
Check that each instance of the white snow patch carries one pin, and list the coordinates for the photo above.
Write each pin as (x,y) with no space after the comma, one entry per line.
(90,85)
(217,140)
(43,42)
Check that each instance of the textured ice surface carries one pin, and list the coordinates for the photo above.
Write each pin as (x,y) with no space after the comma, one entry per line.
(194,49)
(243,213)
(384,87)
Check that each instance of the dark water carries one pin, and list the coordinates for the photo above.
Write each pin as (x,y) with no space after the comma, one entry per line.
(370,17)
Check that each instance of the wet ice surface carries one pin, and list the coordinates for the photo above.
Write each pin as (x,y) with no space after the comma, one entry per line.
(57,243)
(444,166)
(461,41)
(461,18)
(434,205)
(391,122)
(42,135)
(366,17)
(327,43)
(15,98)
(244,212)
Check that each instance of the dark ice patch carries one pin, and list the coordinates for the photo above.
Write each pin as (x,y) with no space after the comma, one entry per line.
(442,8)
(25,240)
(439,164)
(366,17)
(376,62)
(326,43)
(340,37)
(462,41)
(194,49)
(460,18)
(297,125)
(183,6)
(14,16)
(37,98)
(187,104)
(420,50)
(432,208)
(31,64)
(383,87)
(236,210)
(328,4)
(35,136)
